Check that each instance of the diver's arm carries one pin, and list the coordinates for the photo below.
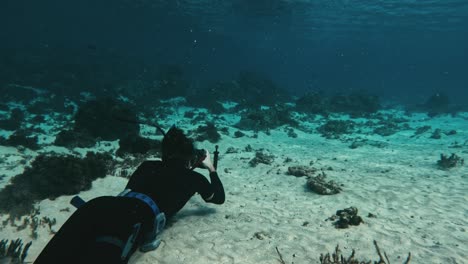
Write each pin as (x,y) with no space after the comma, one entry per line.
(217,196)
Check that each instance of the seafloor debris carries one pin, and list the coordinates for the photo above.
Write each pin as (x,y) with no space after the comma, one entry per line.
(300,171)
(13,252)
(338,258)
(346,217)
(261,157)
(318,184)
(446,162)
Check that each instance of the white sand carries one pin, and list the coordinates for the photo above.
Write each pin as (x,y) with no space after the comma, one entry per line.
(419,207)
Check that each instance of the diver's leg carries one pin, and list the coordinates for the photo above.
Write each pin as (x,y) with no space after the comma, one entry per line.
(75,236)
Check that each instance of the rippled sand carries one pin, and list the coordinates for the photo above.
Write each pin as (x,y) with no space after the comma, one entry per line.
(419,208)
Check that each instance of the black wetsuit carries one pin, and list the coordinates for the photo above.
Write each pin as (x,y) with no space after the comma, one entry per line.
(170,187)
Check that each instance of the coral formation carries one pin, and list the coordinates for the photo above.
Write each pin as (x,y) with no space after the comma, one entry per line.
(13,252)
(20,138)
(318,184)
(300,171)
(445,162)
(261,157)
(51,177)
(333,129)
(346,217)
(266,119)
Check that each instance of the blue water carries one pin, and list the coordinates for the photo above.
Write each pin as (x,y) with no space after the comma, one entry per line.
(403,50)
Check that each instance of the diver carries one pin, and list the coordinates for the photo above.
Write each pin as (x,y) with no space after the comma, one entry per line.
(109,229)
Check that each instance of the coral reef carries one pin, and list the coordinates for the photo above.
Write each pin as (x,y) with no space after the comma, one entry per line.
(338,258)
(261,157)
(318,184)
(13,252)
(314,103)
(334,129)
(266,119)
(137,145)
(445,162)
(346,217)
(20,138)
(389,124)
(51,177)
(14,121)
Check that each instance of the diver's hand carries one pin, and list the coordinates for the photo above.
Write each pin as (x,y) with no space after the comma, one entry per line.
(207,164)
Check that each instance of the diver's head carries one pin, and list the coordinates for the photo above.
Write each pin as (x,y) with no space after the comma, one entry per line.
(177,148)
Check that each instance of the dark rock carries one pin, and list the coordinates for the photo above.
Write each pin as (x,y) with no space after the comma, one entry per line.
(346,217)
(318,184)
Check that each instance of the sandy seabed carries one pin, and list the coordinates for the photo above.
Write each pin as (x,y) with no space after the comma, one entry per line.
(419,208)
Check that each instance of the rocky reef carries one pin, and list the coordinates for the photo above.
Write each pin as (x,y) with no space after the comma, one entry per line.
(49,177)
